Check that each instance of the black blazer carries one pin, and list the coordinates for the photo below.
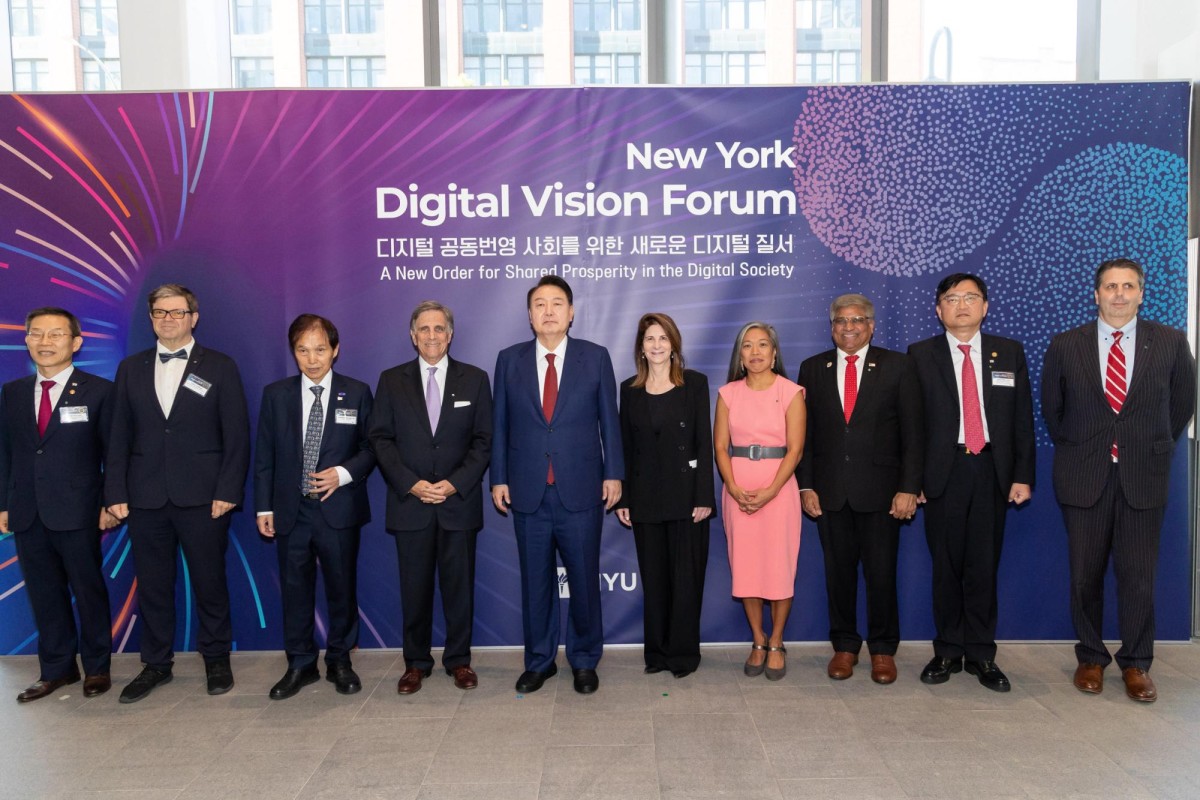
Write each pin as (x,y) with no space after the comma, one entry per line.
(279,452)
(1009,411)
(669,473)
(198,454)
(1160,400)
(409,451)
(881,450)
(57,477)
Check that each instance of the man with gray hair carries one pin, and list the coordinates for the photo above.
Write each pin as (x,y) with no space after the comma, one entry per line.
(859,478)
(431,429)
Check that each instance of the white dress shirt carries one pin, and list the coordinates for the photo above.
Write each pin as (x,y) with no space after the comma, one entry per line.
(956,356)
(542,364)
(169,374)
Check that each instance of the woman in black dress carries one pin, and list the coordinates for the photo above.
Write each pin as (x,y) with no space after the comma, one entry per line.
(668,495)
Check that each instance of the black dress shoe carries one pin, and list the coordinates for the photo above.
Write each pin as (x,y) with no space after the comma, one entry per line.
(989,675)
(531,681)
(586,680)
(652,670)
(40,689)
(293,681)
(682,673)
(144,683)
(219,675)
(939,669)
(343,677)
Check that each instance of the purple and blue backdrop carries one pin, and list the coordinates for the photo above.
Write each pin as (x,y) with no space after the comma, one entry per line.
(715,205)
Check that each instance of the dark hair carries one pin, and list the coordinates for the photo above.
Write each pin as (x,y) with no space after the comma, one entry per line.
(1121,263)
(308,322)
(737,370)
(430,305)
(550,280)
(173,290)
(639,360)
(54,311)
(950,281)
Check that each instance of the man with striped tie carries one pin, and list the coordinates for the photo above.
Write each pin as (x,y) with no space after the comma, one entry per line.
(1116,394)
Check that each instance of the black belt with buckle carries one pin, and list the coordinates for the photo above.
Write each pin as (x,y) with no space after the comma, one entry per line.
(757,452)
(966,451)
(311,495)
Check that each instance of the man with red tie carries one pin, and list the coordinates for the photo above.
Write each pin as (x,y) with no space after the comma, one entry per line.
(979,457)
(53,429)
(1116,395)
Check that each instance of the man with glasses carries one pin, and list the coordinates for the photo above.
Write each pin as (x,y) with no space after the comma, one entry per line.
(177,461)
(979,456)
(53,427)
(1116,395)
(859,477)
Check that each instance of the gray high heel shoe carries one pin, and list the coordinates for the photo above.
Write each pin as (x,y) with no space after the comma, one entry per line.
(776,674)
(754,670)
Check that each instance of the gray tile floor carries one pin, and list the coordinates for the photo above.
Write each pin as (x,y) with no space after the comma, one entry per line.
(713,734)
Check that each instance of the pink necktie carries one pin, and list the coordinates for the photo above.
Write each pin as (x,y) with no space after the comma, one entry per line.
(972,415)
(44,409)
(549,398)
(850,389)
(1115,384)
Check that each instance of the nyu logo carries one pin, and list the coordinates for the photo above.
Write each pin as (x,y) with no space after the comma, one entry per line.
(627,581)
(563,589)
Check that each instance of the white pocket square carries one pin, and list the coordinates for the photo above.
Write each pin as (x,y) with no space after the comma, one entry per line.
(461,403)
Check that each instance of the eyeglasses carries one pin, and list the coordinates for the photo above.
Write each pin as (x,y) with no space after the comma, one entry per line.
(54,337)
(174,313)
(846,322)
(970,299)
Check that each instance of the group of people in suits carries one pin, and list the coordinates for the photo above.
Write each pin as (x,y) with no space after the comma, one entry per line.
(860,442)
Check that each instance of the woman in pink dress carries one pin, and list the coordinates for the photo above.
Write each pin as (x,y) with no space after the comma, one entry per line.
(758,437)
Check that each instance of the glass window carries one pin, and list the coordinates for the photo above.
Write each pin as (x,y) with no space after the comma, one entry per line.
(253,73)
(828,41)
(25,16)
(482,70)
(496,16)
(608,15)
(715,15)
(30,74)
(366,71)
(98,17)
(364,16)
(326,73)
(251,16)
(608,68)
(523,70)
(101,76)
(323,17)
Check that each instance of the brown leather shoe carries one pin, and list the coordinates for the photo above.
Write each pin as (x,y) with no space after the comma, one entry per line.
(98,684)
(464,676)
(410,681)
(1139,685)
(42,689)
(1089,678)
(841,666)
(883,669)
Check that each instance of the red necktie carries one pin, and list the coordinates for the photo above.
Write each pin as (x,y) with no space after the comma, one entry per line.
(44,409)
(850,388)
(1115,384)
(973,436)
(549,398)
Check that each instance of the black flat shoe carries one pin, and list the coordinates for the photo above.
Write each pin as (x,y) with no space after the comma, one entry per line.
(939,669)
(989,675)
(343,677)
(144,683)
(531,681)
(293,681)
(586,680)
(218,675)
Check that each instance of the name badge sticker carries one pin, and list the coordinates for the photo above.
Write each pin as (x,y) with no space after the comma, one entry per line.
(197,384)
(345,416)
(1004,379)
(69,414)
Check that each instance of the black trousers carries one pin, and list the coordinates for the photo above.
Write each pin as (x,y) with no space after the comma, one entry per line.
(965,531)
(156,536)
(451,555)
(871,538)
(311,541)
(55,565)
(1130,535)
(672,558)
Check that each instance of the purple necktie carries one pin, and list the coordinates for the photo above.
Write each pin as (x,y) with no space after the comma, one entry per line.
(433,400)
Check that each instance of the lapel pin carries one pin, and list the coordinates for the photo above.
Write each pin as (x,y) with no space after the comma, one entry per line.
(870,365)
(71,392)
(994,354)
(828,364)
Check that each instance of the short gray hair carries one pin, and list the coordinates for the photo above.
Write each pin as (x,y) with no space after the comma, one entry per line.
(847,300)
(430,305)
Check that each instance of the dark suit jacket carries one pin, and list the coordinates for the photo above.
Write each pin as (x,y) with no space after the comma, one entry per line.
(881,450)
(1009,411)
(409,451)
(669,473)
(57,477)
(583,439)
(1158,404)
(198,454)
(279,453)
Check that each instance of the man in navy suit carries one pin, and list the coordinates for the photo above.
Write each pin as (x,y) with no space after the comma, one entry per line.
(979,457)
(53,427)
(1116,394)
(311,462)
(177,461)
(432,433)
(557,463)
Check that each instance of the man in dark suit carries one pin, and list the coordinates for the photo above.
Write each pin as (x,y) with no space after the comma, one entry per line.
(979,456)
(177,460)
(432,433)
(1116,394)
(53,429)
(859,477)
(311,462)
(557,463)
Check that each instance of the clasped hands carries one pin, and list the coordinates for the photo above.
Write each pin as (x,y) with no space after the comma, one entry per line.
(751,501)
(434,493)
